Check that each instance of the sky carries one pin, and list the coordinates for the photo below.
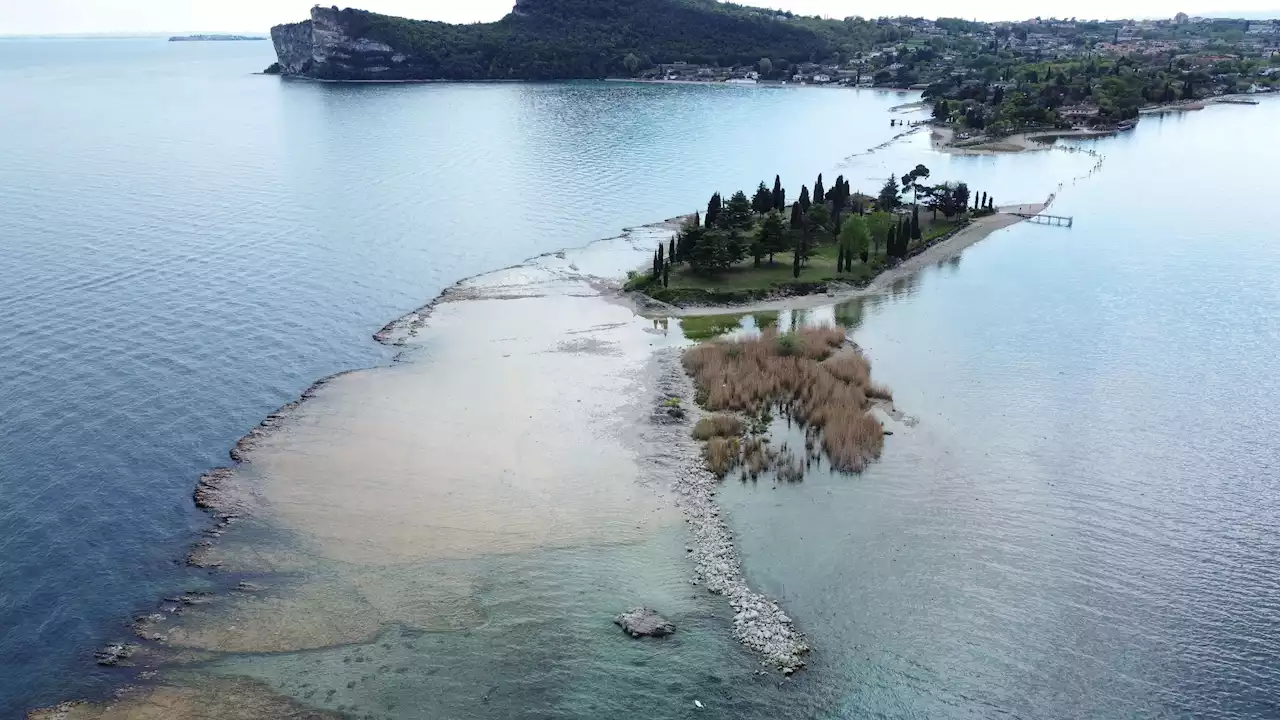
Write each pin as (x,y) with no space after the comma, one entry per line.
(48,17)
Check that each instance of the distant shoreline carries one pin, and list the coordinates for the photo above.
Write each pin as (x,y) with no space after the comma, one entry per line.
(217,38)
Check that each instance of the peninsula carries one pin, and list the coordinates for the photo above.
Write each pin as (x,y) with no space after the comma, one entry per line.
(747,250)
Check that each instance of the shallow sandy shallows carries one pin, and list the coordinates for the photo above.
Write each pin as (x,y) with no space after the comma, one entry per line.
(512,428)
(503,436)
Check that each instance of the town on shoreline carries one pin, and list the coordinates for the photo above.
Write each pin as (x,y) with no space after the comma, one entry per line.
(985,81)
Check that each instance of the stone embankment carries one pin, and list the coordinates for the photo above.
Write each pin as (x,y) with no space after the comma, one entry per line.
(758,622)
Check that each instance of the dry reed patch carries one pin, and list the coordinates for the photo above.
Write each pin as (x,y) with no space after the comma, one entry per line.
(718,425)
(722,454)
(879,392)
(795,371)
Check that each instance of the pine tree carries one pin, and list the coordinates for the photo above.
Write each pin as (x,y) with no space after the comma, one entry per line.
(819,194)
(692,236)
(889,194)
(805,204)
(779,195)
(735,215)
(771,238)
(713,210)
(763,200)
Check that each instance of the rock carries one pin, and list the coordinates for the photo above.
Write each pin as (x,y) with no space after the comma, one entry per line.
(114,653)
(643,622)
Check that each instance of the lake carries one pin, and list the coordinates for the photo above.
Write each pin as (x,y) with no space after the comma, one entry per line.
(1080,525)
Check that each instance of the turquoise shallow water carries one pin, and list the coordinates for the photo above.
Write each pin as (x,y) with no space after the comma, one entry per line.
(1081,525)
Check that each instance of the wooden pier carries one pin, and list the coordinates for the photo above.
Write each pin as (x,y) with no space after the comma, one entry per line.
(1043,219)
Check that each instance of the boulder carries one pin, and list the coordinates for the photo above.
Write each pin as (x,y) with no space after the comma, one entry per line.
(643,622)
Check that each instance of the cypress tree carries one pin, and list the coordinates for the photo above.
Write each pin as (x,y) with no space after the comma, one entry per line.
(779,195)
(655,265)
(904,234)
(666,275)
(661,258)
(795,261)
(819,194)
(891,243)
(713,210)
(840,260)
(915,222)
(671,251)
(805,204)
(797,216)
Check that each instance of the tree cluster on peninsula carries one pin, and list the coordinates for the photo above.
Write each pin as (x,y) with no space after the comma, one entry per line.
(861,229)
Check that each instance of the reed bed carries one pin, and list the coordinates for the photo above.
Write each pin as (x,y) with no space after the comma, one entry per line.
(718,425)
(722,454)
(830,395)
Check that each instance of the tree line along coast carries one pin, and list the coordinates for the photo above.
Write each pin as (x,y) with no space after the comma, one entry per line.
(731,252)
(981,78)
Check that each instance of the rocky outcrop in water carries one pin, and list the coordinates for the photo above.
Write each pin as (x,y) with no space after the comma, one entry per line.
(329,46)
(643,622)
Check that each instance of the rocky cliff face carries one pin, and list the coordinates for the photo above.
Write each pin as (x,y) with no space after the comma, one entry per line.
(326,48)
(293,47)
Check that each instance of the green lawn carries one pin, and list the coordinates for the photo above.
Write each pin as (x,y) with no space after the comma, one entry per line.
(745,276)
(821,267)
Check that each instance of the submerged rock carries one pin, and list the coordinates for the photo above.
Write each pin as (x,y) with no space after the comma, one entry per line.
(643,622)
(114,653)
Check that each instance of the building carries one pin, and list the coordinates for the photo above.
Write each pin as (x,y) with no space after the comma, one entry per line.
(1083,111)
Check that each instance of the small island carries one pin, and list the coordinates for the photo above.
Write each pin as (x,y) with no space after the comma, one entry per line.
(215,38)
(750,249)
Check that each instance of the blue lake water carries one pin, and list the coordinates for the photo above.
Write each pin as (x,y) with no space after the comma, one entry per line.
(1081,525)
(185,246)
